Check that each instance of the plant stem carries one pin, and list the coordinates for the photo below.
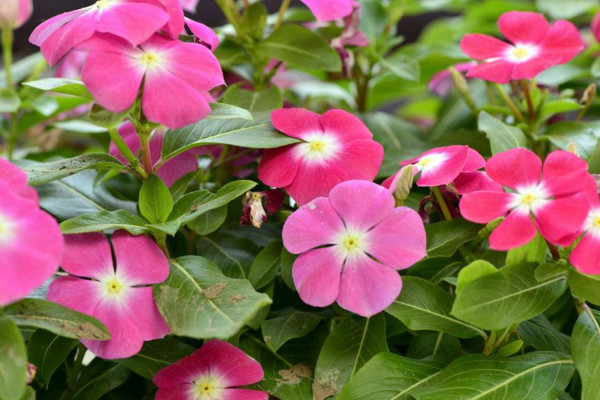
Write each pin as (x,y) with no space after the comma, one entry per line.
(146,156)
(126,152)
(284,6)
(73,374)
(527,92)
(7,46)
(442,203)
(509,103)
(230,11)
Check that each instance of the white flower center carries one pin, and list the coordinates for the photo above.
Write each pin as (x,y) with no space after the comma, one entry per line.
(206,388)
(318,147)
(6,229)
(100,4)
(529,199)
(521,52)
(592,222)
(150,59)
(351,242)
(430,162)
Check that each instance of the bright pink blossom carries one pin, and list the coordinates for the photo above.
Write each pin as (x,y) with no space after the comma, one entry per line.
(549,201)
(133,20)
(351,244)
(30,241)
(536,46)
(170,171)
(587,252)
(335,147)
(442,165)
(176,77)
(117,295)
(214,372)
(204,34)
(471,179)
(14,13)
(329,10)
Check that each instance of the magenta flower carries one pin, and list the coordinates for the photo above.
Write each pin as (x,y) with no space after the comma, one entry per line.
(351,244)
(204,34)
(214,372)
(176,77)
(331,9)
(441,165)
(117,295)
(585,255)
(14,13)
(30,241)
(170,171)
(335,147)
(551,202)
(473,180)
(132,20)
(536,46)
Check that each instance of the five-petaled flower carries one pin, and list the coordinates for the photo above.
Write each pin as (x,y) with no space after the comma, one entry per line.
(551,202)
(334,147)
(214,372)
(117,295)
(585,255)
(351,244)
(536,46)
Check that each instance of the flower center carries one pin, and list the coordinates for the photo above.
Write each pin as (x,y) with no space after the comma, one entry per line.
(150,59)
(206,388)
(6,229)
(114,286)
(528,199)
(522,52)
(430,162)
(102,3)
(351,243)
(317,145)
(596,222)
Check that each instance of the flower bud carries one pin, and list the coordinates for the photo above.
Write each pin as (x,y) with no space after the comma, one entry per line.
(14,13)
(404,184)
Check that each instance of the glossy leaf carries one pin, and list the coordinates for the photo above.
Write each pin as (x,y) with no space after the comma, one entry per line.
(501,135)
(105,220)
(277,331)
(61,85)
(585,348)
(265,265)
(156,203)
(40,173)
(13,361)
(47,352)
(444,238)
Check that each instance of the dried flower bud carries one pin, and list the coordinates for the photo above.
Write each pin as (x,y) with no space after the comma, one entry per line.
(254,212)
(14,13)
(31,370)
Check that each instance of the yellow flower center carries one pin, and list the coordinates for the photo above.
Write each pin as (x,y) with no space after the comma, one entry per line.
(102,3)
(6,229)
(150,58)
(113,286)
(520,53)
(350,243)
(528,198)
(424,161)
(596,222)
(317,145)
(256,197)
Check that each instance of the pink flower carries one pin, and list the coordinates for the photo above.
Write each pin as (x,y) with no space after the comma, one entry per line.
(71,65)
(351,244)
(585,255)
(176,77)
(536,46)
(116,295)
(214,372)
(335,147)
(170,171)
(442,165)
(550,202)
(441,82)
(204,34)
(134,21)
(30,241)
(14,13)
(189,5)
(331,9)
(471,179)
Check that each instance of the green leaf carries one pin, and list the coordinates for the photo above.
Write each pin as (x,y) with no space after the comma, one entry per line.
(156,355)
(506,297)
(218,306)
(278,331)
(234,255)
(79,126)
(99,378)
(265,265)
(565,9)
(105,220)
(57,319)
(13,361)
(254,20)
(534,251)
(587,287)
(352,343)
(29,394)
(40,173)
(300,47)
(100,116)
(156,203)
(595,68)
(228,111)
(533,376)
(9,100)
(444,238)
(209,222)
(564,133)
(539,333)
(389,376)
(585,348)
(254,101)
(47,352)
(402,66)
(477,269)
(423,305)
(287,262)
(501,135)
(436,346)
(257,133)
(510,349)
(61,85)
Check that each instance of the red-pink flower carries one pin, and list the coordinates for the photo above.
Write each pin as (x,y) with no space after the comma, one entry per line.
(214,372)
(14,13)
(117,295)
(536,46)
(585,255)
(176,77)
(351,244)
(548,201)
(30,241)
(170,171)
(132,20)
(330,10)
(335,147)
(442,165)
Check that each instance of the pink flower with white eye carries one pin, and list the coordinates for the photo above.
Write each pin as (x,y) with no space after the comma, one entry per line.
(536,46)
(335,147)
(71,65)
(204,34)
(550,202)
(120,295)
(14,13)
(585,255)
(213,372)
(30,241)
(176,77)
(351,244)
(134,21)
(170,171)
(442,165)
(331,9)
(441,82)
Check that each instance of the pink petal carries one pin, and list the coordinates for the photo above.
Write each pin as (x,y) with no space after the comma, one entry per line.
(314,180)
(475,182)
(16,180)
(564,173)
(176,17)
(67,37)
(515,168)
(48,27)
(189,5)
(132,21)
(181,373)
(474,161)
(183,392)
(483,47)
(523,26)
(296,122)
(399,240)
(317,276)
(560,220)
(345,125)
(449,169)
(563,40)
(312,225)
(230,364)
(81,295)
(176,168)
(243,394)
(142,311)
(203,33)
(88,255)
(278,167)
(529,69)
(515,231)
(361,159)
(330,10)
(361,204)
(499,71)
(590,188)
(367,287)
(139,260)
(585,255)
(485,206)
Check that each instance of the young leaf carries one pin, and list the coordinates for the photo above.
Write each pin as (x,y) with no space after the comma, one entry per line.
(502,136)
(47,352)
(105,220)
(61,85)
(585,286)
(13,357)
(566,133)
(477,269)
(209,222)
(534,251)
(278,331)
(156,203)
(585,348)
(254,101)
(40,173)
(444,238)
(265,265)
(9,100)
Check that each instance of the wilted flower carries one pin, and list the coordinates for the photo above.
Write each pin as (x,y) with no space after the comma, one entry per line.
(254,212)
